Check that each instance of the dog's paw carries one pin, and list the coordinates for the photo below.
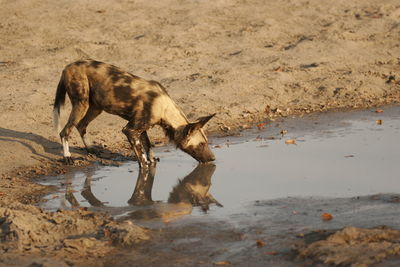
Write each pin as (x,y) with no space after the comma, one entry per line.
(68,161)
(140,200)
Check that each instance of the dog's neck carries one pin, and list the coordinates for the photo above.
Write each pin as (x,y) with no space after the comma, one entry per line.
(175,132)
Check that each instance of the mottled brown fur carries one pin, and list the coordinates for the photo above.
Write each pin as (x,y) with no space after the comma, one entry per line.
(94,86)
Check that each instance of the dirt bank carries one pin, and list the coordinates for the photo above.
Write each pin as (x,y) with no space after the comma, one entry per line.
(67,237)
(354,246)
(245,60)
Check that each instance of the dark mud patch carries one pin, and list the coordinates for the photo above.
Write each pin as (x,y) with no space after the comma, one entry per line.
(353,246)
(280,232)
(30,231)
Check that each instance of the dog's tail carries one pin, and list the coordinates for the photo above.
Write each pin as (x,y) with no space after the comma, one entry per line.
(58,102)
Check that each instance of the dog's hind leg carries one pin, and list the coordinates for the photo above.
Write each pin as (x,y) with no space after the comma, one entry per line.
(78,92)
(90,115)
(79,109)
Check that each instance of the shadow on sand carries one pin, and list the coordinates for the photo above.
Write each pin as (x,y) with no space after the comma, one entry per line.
(26,139)
(50,147)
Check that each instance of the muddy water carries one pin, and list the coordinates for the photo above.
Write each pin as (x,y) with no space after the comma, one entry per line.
(335,155)
(343,163)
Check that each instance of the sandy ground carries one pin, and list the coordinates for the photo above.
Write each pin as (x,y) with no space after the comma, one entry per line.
(245,60)
(236,58)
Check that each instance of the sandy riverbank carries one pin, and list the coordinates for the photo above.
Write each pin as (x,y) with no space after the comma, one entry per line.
(246,60)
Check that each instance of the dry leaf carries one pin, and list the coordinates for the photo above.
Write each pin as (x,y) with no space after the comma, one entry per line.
(326,216)
(394,199)
(261,126)
(376,197)
(379,122)
(290,142)
(301,235)
(279,69)
(107,233)
(260,243)
(245,126)
(224,128)
(283,132)
(379,110)
(222,263)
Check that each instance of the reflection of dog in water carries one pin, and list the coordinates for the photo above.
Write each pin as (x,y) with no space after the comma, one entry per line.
(193,190)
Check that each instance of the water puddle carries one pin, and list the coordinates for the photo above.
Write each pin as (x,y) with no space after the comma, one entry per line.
(334,155)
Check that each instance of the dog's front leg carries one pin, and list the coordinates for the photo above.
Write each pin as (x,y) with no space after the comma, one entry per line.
(144,184)
(144,138)
(133,136)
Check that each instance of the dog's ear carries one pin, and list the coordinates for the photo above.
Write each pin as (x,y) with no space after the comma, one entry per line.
(197,124)
(203,120)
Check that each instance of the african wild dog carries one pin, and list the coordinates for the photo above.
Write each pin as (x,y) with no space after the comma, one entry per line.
(194,188)
(94,86)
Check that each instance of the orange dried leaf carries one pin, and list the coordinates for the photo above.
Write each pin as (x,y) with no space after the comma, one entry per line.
(379,110)
(261,126)
(107,233)
(260,243)
(290,142)
(326,216)
(222,263)
(272,253)
(379,122)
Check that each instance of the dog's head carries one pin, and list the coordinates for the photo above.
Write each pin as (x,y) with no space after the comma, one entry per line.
(194,141)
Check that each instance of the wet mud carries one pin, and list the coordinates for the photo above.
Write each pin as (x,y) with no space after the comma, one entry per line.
(278,194)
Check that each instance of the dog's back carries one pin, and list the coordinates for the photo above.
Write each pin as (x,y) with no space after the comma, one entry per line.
(116,91)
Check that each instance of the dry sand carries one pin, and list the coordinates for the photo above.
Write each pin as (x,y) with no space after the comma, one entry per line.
(246,60)
(241,59)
